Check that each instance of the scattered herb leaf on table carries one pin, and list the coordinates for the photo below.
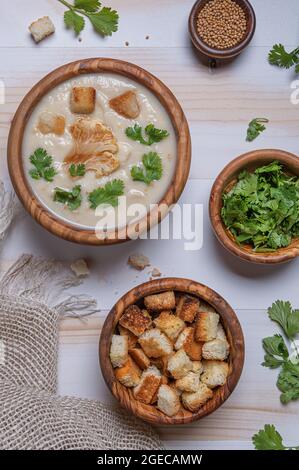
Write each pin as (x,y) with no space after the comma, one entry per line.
(43,164)
(281,58)
(72,198)
(255,127)
(107,194)
(150,170)
(269,439)
(152,134)
(77,170)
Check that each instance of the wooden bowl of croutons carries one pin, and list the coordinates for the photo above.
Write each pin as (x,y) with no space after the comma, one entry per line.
(171,351)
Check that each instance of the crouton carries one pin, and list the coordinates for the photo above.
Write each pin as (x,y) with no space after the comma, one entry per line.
(189,383)
(214,373)
(119,350)
(168,400)
(170,324)
(80,268)
(194,400)
(187,342)
(41,28)
(206,326)
(216,349)
(138,261)
(140,358)
(126,105)
(160,302)
(161,363)
(129,374)
(197,367)
(221,333)
(164,381)
(179,364)
(134,320)
(83,100)
(51,123)
(187,308)
(148,386)
(132,339)
(155,343)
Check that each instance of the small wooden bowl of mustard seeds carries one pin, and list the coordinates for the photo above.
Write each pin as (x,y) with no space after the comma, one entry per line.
(221,29)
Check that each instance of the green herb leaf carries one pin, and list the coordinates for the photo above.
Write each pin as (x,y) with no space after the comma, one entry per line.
(255,127)
(72,198)
(288,382)
(280,57)
(74,21)
(153,135)
(77,170)
(108,194)
(276,351)
(268,439)
(43,164)
(105,21)
(152,168)
(87,5)
(282,313)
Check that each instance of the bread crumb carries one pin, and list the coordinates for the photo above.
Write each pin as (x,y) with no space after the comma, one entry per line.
(156,273)
(138,261)
(41,28)
(80,268)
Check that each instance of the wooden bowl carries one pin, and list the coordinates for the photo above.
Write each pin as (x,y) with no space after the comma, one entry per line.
(223,54)
(234,335)
(250,161)
(15,164)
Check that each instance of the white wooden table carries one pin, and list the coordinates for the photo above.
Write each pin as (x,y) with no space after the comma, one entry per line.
(218,106)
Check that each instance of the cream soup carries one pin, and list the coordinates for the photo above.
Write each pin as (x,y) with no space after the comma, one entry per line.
(129,152)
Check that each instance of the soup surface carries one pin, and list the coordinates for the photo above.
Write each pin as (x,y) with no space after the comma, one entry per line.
(127,152)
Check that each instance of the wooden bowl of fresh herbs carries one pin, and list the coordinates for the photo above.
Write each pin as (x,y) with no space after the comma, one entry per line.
(254,206)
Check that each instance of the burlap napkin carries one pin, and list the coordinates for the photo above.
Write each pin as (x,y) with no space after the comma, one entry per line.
(32,416)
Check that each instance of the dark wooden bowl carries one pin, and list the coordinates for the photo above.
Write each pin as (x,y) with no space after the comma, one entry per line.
(250,161)
(223,54)
(14,152)
(234,335)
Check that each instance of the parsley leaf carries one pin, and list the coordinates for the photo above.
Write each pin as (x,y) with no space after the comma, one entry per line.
(107,195)
(152,134)
(72,198)
(77,170)
(152,168)
(269,439)
(43,164)
(255,127)
(280,57)
(103,19)
(276,351)
(282,313)
(288,382)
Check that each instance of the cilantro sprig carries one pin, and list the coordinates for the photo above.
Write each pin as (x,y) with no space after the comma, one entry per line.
(77,170)
(43,163)
(269,439)
(277,353)
(281,58)
(152,134)
(255,127)
(150,170)
(107,194)
(103,19)
(72,199)
(262,209)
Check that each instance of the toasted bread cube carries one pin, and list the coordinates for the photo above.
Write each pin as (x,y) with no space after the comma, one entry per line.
(129,374)
(170,324)
(195,400)
(162,363)
(197,367)
(148,386)
(187,308)
(140,358)
(119,350)
(189,383)
(135,320)
(155,343)
(138,261)
(83,100)
(164,381)
(51,123)
(41,28)
(160,302)
(214,373)
(187,342)
(206,326)
(168,400)
(126,105)
(221,333)
(216,349)
(179,364)
(132,339)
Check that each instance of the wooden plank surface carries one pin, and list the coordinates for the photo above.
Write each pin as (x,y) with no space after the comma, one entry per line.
(218,105)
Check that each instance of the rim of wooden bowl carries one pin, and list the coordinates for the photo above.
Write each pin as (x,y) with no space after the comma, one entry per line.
(230,323)
(228,53)
(250,161)
(37,210)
